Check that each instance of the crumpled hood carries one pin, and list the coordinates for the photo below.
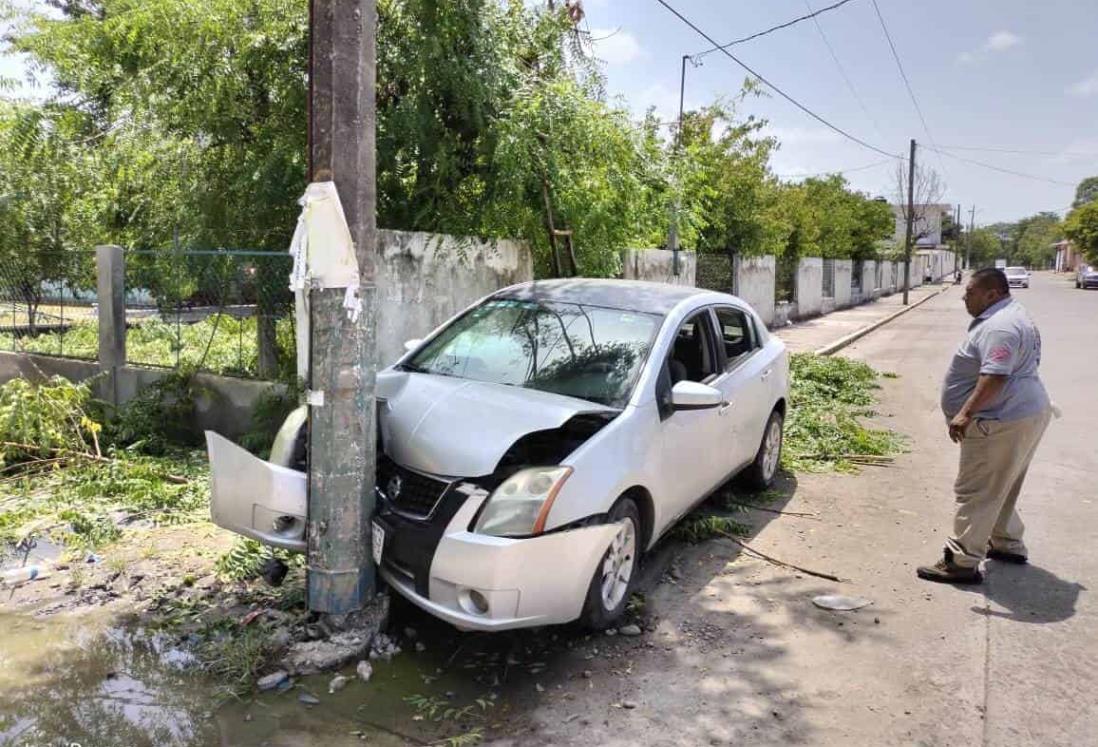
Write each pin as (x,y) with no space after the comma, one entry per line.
(461,428)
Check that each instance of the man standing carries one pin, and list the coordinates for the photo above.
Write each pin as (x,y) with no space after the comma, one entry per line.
(997,410)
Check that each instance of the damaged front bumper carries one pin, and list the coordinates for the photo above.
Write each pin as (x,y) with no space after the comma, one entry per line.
(481,582)
(473,581)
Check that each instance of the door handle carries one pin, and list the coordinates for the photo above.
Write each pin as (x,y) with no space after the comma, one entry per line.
(766,373)
(725,407)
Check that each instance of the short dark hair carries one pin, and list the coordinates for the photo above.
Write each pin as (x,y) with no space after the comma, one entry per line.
(992,278)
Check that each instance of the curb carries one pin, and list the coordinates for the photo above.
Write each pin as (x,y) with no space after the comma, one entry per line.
(856,335)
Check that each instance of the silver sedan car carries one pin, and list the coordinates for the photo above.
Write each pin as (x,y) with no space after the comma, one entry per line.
(533,447)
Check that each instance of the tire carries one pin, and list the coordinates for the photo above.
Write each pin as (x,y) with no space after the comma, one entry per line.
(602,608)
(760,475)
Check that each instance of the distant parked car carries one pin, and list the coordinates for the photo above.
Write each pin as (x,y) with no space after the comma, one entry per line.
(1017,277)
(1086,277)
(532,448)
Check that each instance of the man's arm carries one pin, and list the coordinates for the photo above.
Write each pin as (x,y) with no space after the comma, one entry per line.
(988,387)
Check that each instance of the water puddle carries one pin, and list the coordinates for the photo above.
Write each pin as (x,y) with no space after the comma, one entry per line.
(98,680)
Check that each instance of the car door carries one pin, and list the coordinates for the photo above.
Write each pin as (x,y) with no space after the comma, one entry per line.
(688,467)
(744,382)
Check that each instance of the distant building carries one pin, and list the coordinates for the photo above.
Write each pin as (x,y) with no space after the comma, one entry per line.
(1068,258)
(926,228)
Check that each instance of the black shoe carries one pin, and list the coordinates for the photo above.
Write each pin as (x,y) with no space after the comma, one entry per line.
(1007,557)
(945,571)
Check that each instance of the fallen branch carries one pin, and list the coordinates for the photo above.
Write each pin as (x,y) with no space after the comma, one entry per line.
(775,561)
(776,511)
(31,448)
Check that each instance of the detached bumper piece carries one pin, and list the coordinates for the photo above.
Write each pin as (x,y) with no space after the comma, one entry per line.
(255,498)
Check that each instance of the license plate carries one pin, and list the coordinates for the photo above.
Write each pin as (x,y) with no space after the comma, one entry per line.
(378,542)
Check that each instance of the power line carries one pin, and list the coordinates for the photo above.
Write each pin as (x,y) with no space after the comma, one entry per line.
(837,171)
(842,72)
(1021,151)
(903,74)
(773,87)
(770,30)
(999,168)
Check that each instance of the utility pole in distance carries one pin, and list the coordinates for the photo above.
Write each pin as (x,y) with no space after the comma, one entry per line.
(968,242)
(910,217)
(342,430)
(673,233)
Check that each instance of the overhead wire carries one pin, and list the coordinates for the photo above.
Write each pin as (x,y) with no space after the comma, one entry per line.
(907,81)
(773,87)
(1021,151)
(837,171)
(812,14)
(1000,169)
(842,71)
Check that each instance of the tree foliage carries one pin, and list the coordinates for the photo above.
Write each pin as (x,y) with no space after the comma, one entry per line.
(183,122)
(1081,227)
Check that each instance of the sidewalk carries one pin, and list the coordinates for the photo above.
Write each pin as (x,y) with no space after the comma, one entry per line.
(814,334)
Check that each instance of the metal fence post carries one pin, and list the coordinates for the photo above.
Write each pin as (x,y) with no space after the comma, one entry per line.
(110,267)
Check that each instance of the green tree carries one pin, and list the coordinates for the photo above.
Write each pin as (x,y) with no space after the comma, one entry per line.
(1081,227)
(48,211)
(1086,192)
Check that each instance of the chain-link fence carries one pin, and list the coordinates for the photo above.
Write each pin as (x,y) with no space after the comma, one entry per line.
(223,311)
(47,304)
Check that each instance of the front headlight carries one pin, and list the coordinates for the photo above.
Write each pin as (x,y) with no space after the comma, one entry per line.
(521,504)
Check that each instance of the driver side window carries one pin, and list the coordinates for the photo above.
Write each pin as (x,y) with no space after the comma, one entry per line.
(692,357)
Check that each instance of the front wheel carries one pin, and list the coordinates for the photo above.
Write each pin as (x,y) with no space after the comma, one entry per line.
(614,576)
(760,475)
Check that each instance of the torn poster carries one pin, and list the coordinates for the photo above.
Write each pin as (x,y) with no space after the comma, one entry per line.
(324,257)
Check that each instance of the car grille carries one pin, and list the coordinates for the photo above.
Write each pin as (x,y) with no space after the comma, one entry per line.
(408,492)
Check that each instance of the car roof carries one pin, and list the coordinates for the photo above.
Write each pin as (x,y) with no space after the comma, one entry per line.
(628,295)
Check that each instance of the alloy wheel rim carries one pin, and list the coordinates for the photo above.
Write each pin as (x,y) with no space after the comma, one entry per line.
(617,568)
(772,450)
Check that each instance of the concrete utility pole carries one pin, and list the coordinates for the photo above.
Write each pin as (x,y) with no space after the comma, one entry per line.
(673,232)
(910,217)
(342,429)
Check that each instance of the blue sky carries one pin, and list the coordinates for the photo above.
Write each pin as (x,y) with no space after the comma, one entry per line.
(1011,74)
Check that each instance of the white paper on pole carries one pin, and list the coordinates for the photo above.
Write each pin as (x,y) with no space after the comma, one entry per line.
(324,257)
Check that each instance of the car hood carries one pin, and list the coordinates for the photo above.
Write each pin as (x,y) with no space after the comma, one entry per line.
(460,428)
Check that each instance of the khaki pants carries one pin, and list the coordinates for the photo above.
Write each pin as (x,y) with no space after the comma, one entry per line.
(994,459)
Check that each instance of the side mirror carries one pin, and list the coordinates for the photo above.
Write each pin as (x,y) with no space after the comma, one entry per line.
(690,395)
(410,345)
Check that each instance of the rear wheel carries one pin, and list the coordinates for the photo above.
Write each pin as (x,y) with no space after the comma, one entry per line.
(615,574)
(760,475)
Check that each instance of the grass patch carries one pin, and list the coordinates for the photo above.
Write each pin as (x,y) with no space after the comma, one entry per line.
(829,396)
(699,527)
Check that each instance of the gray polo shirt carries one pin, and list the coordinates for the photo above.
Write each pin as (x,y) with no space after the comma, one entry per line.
(1003,340)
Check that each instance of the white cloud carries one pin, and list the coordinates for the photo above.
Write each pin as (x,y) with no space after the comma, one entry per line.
(616,47)
(1000,41)
(1086,87)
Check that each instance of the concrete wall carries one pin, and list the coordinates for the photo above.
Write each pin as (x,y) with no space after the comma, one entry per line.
(658,265)
(870,289)
(225,406)
(844,268)
(424,279)
(754,283)
(809,284)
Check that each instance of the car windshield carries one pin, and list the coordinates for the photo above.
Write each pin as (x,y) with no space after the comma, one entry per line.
(1015,271)
(588,352)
